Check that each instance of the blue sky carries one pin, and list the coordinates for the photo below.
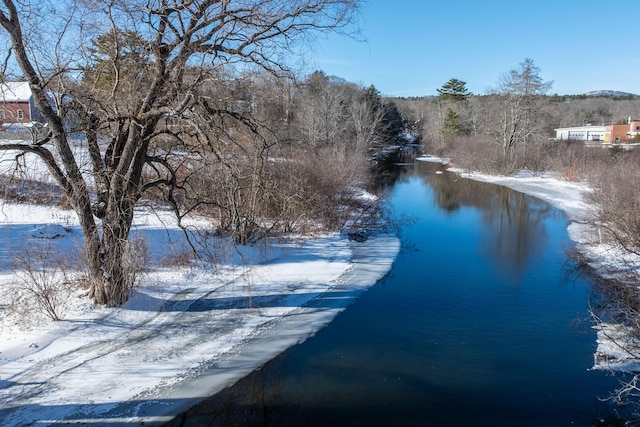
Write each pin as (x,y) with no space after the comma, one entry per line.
(412,47)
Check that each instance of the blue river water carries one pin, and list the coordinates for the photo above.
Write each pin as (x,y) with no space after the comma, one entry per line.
(482,321)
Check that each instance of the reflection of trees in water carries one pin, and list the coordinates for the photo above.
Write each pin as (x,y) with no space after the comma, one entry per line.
(271,395)
(515,228)
(516,224)
(385,172)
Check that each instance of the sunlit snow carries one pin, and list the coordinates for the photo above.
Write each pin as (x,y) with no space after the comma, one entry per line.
(186,333)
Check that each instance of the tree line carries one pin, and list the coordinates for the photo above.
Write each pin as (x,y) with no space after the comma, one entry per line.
(510,126)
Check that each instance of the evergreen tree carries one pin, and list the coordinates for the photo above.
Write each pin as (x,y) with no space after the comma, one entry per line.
(454,90)
(452,124)
(454,96)
(392,123)
(373,95)
(117,56)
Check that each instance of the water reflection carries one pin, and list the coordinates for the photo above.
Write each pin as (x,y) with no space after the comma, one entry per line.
(514,223)
(477,326)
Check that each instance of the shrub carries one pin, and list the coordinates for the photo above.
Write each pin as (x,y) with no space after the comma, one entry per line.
(617,200)
(42,279)
(478,154)
(317,188)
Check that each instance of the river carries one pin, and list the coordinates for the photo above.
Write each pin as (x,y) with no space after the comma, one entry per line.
(482,321)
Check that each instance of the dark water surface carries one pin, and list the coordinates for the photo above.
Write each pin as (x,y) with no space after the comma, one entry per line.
(480,322)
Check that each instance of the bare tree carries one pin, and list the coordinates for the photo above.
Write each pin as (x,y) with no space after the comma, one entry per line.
(615,304)
(615,200)
(322,109)
(517,106)
(132,95)
(365,115)
(373,123)
(333,111)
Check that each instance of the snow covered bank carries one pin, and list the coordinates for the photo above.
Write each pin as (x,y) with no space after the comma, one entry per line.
(564,195)
(185,334)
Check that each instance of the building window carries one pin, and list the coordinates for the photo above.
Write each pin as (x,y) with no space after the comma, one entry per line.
(20,114)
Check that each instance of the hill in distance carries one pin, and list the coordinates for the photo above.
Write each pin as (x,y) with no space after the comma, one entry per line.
(615,93)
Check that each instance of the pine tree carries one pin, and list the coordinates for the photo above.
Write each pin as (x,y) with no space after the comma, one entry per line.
(454,90)
(451,124)
(453,95)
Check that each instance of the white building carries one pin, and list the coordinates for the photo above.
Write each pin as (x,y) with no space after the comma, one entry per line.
(582,133)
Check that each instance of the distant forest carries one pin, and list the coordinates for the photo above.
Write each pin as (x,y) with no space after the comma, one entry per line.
(426,113)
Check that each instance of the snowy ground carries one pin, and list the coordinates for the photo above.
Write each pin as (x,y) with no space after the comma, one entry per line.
(186,333)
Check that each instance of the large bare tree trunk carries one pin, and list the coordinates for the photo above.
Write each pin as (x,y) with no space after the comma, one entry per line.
(110,283)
